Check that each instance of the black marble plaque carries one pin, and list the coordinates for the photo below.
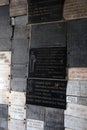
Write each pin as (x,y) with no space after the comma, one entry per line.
(45,10)
(47,35)
(77,43)
(47,93)
(48,62)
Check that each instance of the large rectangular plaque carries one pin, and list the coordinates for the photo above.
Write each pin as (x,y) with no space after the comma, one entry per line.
(48,35)
(35,124)
(48,62)
(47,93)
(16,124)
(5,57)
(17,112)
(77,73)
(45,10)
(17,98)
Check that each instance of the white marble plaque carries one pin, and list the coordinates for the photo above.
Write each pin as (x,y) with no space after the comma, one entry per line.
(4,96)
(76,110)
(71,99)
(77,73)
(75,123)
(4,83)
(16,125)
(35,124)
(4,71)
(77,88)
(5,57)
(17,112)
(17,98)
(73,88)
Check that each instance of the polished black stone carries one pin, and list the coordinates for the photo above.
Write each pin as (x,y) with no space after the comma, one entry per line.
(45,10)
(47,93)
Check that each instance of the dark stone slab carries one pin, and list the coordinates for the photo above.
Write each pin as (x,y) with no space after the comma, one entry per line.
(45,10)
(77,43)
(47,93)
(44,35)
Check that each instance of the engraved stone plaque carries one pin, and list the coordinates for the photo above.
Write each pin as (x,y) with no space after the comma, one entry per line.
(45,10)
(4,83)
(5,57)
(77,73)
(77,88)
(47,93)
(48,62)
(4,71)
(76,110)
(17,98)
(19,84)
(4,96)
(17,112)
(75,123)
(16,124)
(35,124)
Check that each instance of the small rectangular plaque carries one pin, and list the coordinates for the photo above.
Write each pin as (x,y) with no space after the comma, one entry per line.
(77,73)
(76,110)
(16,125)
(17,112)
(4,71)
(35,124)
(4,83)
(77,88)
(17,98)
(5,57)
(4,96)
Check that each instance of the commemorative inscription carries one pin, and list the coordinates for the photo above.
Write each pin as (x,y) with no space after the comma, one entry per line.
(47,93)
(35,124)
(16,125)
(48,62)
(17,112)
(45,10)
